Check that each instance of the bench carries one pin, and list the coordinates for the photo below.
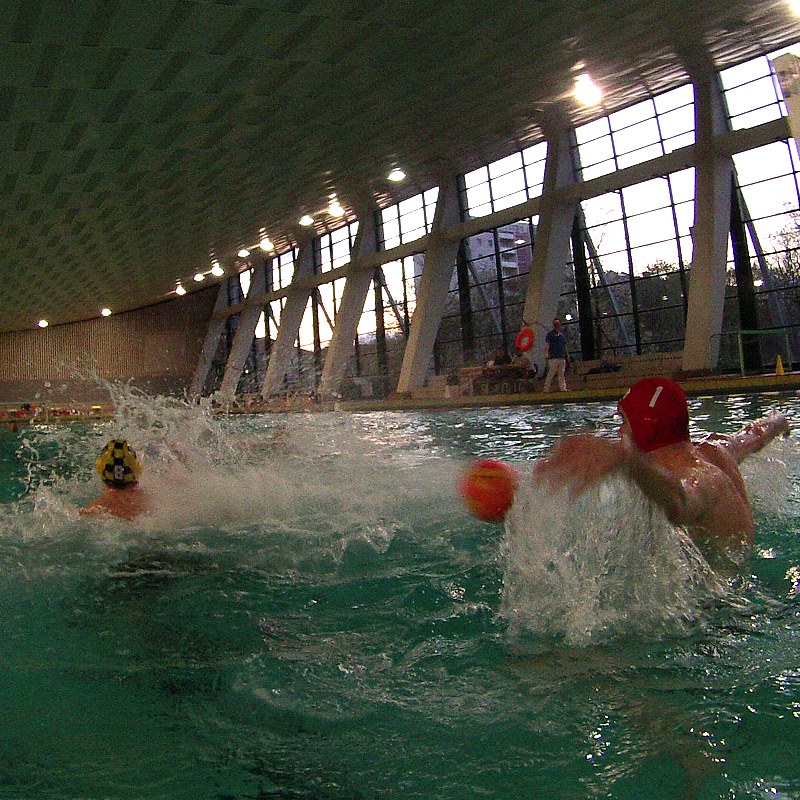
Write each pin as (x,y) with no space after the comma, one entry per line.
(636,367)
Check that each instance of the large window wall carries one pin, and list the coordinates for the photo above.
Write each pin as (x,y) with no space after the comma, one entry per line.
(626,285)
(505,183)
(408,220)
(487,294)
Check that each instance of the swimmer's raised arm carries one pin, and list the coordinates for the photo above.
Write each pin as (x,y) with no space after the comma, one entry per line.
(753,436)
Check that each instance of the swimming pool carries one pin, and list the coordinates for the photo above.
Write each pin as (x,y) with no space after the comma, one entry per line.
(312,614)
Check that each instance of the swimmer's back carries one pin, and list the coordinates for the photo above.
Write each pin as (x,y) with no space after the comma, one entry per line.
(127,504)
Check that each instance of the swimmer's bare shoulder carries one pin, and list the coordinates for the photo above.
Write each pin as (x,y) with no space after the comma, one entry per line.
(128,503)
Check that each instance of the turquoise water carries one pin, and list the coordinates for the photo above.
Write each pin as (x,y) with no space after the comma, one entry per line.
(311,614)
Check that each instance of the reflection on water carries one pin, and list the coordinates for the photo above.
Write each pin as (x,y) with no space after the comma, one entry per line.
(311,614)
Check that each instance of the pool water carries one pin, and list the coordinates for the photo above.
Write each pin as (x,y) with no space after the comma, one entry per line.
(311,613)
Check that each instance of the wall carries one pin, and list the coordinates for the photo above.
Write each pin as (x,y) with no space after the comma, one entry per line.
(154,348)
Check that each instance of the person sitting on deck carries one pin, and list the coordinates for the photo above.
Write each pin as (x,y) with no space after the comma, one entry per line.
(522,362)
(500,358)
(698,486)
(119,469)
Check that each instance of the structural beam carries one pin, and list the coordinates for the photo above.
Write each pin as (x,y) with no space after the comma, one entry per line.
(280,358)
(350,309)
(215,327)
(551,246)
(713,175)
(245,331)
(440,259)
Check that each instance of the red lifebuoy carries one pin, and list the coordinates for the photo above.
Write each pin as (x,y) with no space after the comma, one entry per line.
(524,339)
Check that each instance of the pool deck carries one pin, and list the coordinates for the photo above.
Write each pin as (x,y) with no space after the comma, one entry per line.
(712,385)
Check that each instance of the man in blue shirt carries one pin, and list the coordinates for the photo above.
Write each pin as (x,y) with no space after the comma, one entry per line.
(556,353)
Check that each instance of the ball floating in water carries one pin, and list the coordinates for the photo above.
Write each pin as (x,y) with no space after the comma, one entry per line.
(488,489)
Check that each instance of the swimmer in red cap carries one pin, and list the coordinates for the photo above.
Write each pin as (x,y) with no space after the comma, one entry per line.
(698,486)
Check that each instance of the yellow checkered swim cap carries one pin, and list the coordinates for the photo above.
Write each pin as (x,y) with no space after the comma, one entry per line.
(117,464)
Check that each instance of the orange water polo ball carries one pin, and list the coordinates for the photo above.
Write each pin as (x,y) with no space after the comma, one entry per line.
(488,489)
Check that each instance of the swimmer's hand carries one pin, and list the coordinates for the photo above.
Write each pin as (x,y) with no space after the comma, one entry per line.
(579,462)
(752,437)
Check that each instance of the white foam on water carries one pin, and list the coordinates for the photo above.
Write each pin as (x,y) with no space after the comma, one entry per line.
(295,491)
(606,565)
(771,477)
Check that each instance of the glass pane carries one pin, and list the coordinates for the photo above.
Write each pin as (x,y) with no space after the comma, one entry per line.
(636,137)
(676,122)
(675,99)
(631,116)
(504,166)
(592,130)
(646,196)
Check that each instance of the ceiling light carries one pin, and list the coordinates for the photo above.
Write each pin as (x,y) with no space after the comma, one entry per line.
(397,175)
(42,323)
(306,220)
(106,312)
(794,7)
(587,92)
(243,253)
(180,289)
(335,209)
(199,277)
(217,270)
(266,244)
(519,241)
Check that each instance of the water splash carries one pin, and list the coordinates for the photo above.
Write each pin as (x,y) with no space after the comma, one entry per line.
(771,476)
(605,566)
(301,493)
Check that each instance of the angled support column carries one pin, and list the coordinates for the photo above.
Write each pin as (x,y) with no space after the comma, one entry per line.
(245,331)
(437,273)
(215,327)
(280,358)
(787,68)
(351,307)
(551,247)
(712,210)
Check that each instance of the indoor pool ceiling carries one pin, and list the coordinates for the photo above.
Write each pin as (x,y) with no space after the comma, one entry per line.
(139,135)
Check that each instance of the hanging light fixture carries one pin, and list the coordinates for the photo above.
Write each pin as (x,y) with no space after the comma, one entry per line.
(587,92)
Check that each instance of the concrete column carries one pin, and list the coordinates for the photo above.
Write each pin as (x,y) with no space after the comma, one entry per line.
(787,68)
(245,331)
(440,260)
(712,209)
(350,309)
(551,246)
(215,327)
(282,348)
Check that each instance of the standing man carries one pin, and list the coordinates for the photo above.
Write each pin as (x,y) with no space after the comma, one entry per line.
(555,351)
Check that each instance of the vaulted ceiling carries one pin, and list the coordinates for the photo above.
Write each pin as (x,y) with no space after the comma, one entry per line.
(137,136)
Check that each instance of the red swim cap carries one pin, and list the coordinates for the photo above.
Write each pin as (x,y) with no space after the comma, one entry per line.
(657,412)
